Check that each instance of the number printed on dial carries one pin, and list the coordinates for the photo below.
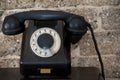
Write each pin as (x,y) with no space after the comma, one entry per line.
(45,52)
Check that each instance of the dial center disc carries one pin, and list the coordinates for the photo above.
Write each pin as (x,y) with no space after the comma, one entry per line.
(45,41)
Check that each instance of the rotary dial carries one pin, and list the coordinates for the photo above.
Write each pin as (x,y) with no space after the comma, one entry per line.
(45,42)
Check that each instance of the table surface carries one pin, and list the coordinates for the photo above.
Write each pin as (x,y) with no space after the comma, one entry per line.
(77,73)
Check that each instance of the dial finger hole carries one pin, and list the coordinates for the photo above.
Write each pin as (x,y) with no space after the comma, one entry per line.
(44,30)
(39,31)
(40,52)
(50,31)
(45,53)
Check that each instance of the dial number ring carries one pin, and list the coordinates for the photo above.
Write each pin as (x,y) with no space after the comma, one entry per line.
(45,52)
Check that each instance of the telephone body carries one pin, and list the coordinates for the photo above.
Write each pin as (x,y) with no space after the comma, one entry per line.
(46,41)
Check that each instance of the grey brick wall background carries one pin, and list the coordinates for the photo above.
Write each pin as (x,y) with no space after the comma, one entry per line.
(104,15)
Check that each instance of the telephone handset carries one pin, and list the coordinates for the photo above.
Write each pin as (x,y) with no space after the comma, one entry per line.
(14,24)
(46,48)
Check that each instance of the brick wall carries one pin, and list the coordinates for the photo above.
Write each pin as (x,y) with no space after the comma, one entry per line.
(104,15)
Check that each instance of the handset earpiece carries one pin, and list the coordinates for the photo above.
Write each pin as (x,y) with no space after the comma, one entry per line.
(12,25)
(77,27)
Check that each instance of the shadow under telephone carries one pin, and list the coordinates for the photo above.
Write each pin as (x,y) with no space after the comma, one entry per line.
(46,42)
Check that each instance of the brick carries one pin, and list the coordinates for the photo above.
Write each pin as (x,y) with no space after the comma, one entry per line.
(99,2)
(13,4)
(2,4)
(111,68)
(10,45)
(55,3)
(68,3)
(1,12)
(111,19)
(107,44)
(25,3)
(9,63)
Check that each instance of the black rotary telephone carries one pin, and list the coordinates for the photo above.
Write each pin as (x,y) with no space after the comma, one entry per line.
(46,41)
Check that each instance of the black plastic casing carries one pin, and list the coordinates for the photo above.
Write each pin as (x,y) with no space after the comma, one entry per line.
(60,63)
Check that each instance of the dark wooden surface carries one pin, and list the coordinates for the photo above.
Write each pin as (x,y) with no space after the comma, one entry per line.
(78,73)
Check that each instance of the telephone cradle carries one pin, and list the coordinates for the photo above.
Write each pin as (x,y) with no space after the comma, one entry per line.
(46,41)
